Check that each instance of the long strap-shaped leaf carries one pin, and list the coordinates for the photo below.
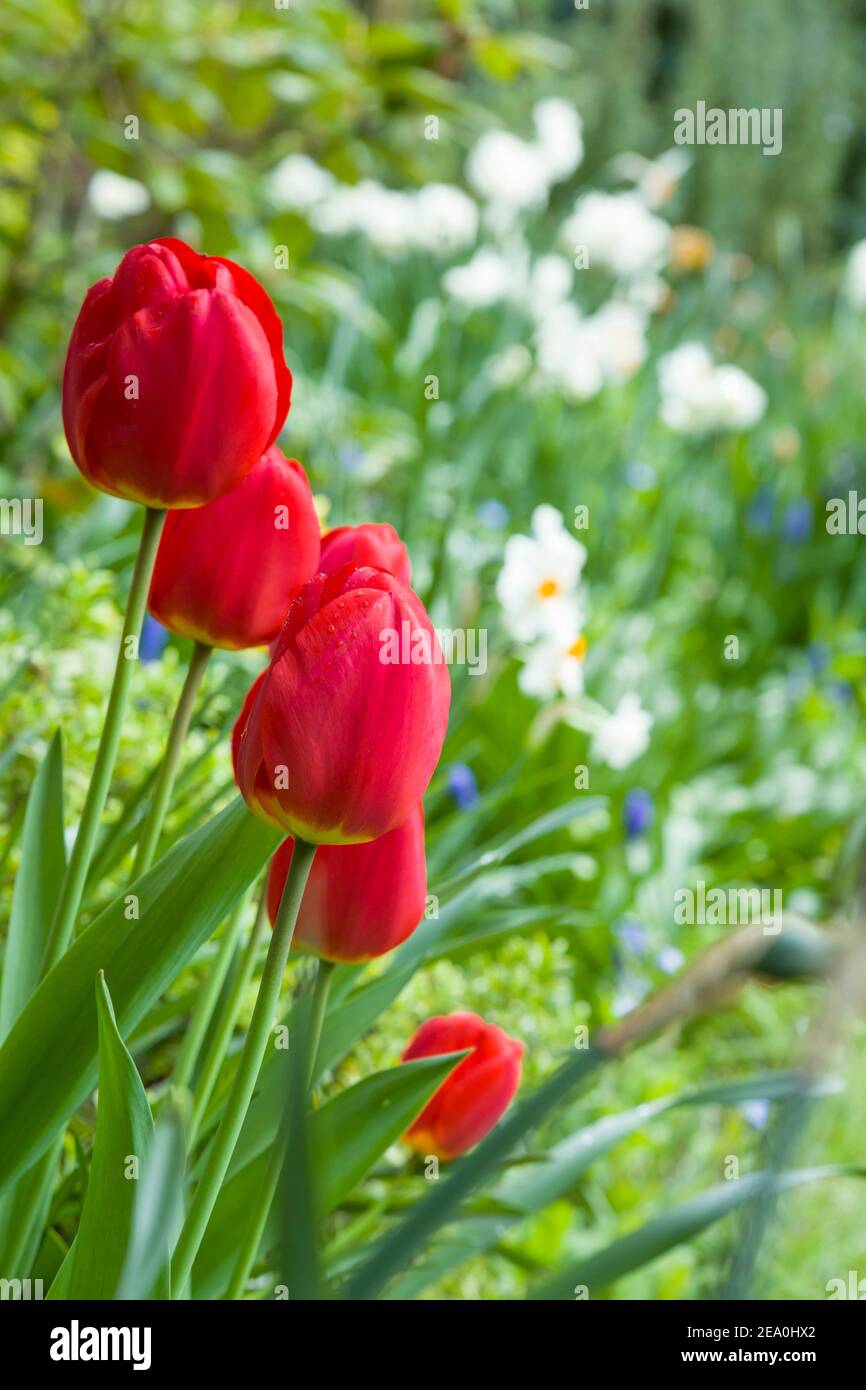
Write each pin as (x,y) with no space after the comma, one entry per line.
(48,1063)
(528,1189)
(401,1245)
(350,1015)
(37,883)
(344,1024)
(124,1132)
(347,1135)
(158,1210)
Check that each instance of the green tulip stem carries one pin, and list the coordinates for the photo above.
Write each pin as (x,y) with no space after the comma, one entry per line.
(72,890)
(206,1000)
(268,1190)
(218,1046)
(261,1210)
(223,1144)
(161,795)
(321,990)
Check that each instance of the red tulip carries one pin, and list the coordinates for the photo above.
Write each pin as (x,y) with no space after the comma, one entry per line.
(341,734)
(476,1094)
(360,900)
(226,573)
(175,382)
(379,546)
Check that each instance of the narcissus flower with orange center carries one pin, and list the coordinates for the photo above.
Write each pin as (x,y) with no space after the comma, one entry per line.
(554,666)
(538,583)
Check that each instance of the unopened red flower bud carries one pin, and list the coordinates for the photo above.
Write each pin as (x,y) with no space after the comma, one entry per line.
(340,736)
(226,573)
(175,382)
(371,544)
(360,900)
(470,1101)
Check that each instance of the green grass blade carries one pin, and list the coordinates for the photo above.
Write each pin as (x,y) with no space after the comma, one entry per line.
(37,884)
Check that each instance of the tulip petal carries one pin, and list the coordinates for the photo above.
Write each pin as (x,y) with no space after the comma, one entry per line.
(251,293)
(370,544)
(476,1094)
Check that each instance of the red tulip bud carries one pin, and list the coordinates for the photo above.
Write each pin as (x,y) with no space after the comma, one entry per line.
(226,573)
(339,738)
(379,546)
(360,900)
(175,382)
(476,1094)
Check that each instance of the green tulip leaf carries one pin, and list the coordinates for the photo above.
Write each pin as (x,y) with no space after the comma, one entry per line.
(157,1212)
(346,1021)
(124,1132)
(525,1190)
(40,874)
(37,884)
(48,1063)
(347,1136)
(405,1241)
